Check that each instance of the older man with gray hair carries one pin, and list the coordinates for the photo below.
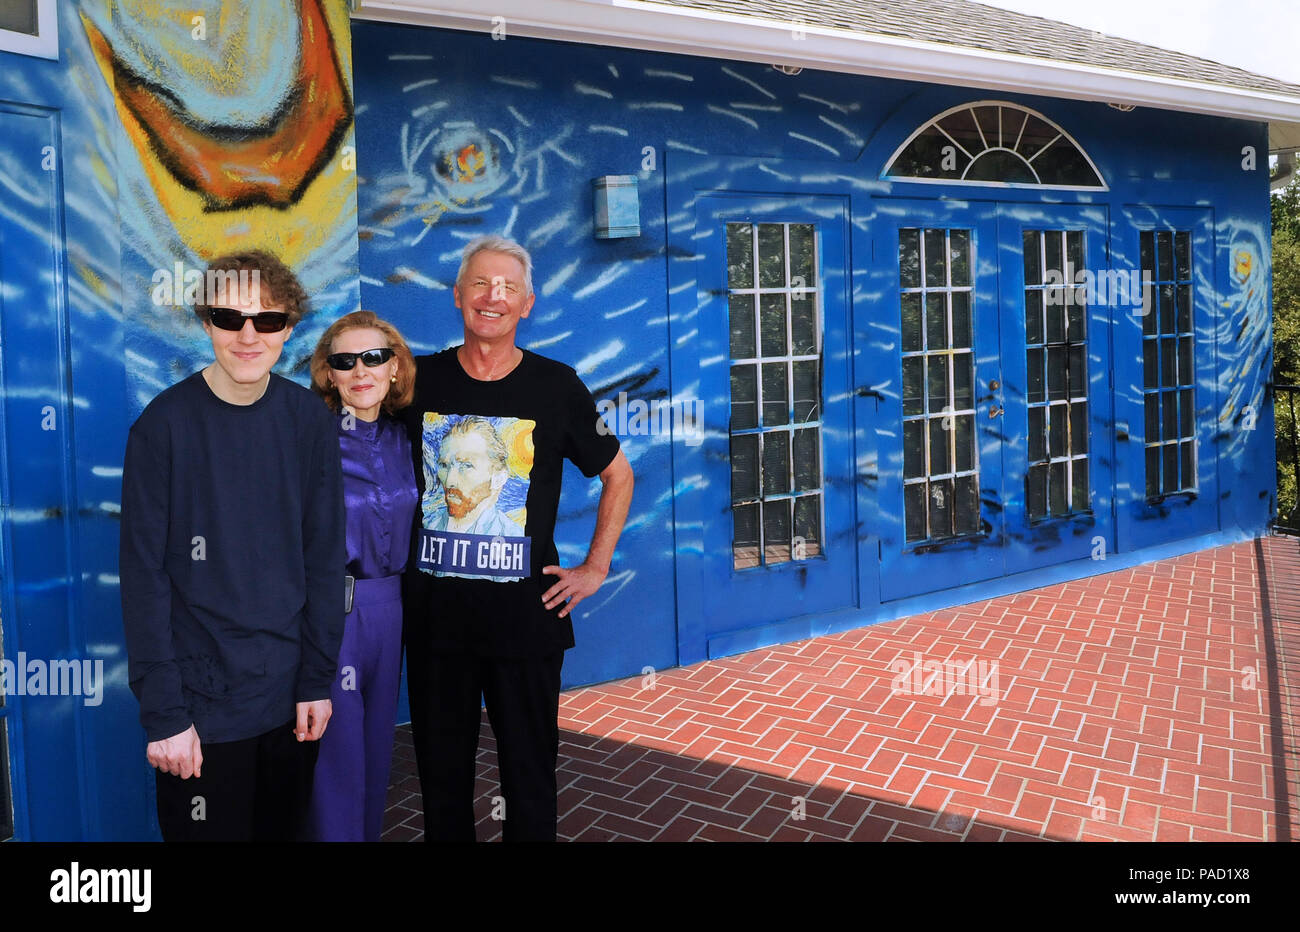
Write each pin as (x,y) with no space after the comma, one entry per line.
(488,616)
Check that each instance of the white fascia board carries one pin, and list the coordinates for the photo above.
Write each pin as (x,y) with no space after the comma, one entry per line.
(656,27)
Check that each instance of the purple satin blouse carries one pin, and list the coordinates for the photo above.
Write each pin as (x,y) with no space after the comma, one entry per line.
(379,494)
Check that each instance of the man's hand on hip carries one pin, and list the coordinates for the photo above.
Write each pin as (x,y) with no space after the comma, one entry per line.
(178,755)
(574,585)
(312,718)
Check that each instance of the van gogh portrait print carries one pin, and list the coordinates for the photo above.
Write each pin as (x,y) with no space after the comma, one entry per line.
(474,512)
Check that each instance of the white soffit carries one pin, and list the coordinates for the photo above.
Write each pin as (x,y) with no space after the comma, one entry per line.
(637,24)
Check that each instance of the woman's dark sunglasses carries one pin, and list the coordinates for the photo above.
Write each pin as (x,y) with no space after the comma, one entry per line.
(371,357)
(227,318)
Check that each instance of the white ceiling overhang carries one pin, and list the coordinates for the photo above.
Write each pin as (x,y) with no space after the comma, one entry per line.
(660,27)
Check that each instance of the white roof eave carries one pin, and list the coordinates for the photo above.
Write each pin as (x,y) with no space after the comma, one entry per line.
(651,26)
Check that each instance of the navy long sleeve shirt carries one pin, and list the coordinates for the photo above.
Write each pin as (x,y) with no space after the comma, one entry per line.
(232,559)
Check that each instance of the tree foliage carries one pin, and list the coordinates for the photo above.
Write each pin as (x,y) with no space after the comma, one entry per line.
(1286,335)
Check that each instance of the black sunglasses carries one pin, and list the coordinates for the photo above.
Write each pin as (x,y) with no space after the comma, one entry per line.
(227,318)
(371,357)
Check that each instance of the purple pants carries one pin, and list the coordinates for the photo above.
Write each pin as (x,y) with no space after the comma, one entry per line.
(356,751)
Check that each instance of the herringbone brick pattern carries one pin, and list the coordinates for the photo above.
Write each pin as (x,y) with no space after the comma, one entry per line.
(1150,704)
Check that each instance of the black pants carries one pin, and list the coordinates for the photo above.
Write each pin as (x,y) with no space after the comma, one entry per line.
(523,704)
(256,789)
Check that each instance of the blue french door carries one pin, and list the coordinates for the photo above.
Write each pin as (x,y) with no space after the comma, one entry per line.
(1057,306)
(939,429)
(996,443)
(778,514)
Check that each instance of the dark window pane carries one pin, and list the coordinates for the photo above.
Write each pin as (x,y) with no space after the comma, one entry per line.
(1149,309)
(1037,434)
(909,258)
(1150,364)
(941,508)
(744,539)
(1035,387)
(776,402)
(925,157)
(776,531)
(996,165)
(1153,472)
(1056,373)
(1056,489)
(771,255)
(1167,309)
(1147,252)
(1036,491)
(1185,375)
(1183,255)
(803,323)
(914,511)
(744,397)
(1152,402)
(936,321)
(741,311)
(807,461)
(963,391)
(1033,315)
(960,318)
(740,255)
(807,527)
(772,324)
(912,322)
(807,392)
(913,449)
(1064,164)
(940,429)
(1074,253)
(1168,415)
(1165,256)
(1168,363)
(966,505)
(1079,427)
(1169,453)
(1188,448)
(18,16)
(1185,308)
(959,251)
(1057,430)
(744,467)
(1078,372)
(1077,312)
(1031,241)
(776,463)
(913,377)
(964,437)
(1055,316)
(1080,496)
(1054,257)
(802,256)
(935,254)
(937,376)
(1186,413)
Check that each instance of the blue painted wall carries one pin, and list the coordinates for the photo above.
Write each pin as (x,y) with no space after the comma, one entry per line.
(81,237)
(464,135)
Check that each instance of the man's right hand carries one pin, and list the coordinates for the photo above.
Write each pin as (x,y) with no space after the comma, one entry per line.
(178,755)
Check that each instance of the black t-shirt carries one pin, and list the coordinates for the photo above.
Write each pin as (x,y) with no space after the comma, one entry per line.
(489,460)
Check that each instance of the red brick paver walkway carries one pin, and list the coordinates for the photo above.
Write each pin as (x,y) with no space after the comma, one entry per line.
(1150,704)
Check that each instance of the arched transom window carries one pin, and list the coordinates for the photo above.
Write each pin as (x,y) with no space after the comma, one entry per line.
(994,142)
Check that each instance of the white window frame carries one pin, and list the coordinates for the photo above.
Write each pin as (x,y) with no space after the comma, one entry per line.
(45,44)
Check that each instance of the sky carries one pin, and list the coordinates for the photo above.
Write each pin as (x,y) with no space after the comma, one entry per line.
(1258,35)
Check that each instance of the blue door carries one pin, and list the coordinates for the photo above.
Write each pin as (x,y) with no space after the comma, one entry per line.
(996,448)
(778,508)
(44,731)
